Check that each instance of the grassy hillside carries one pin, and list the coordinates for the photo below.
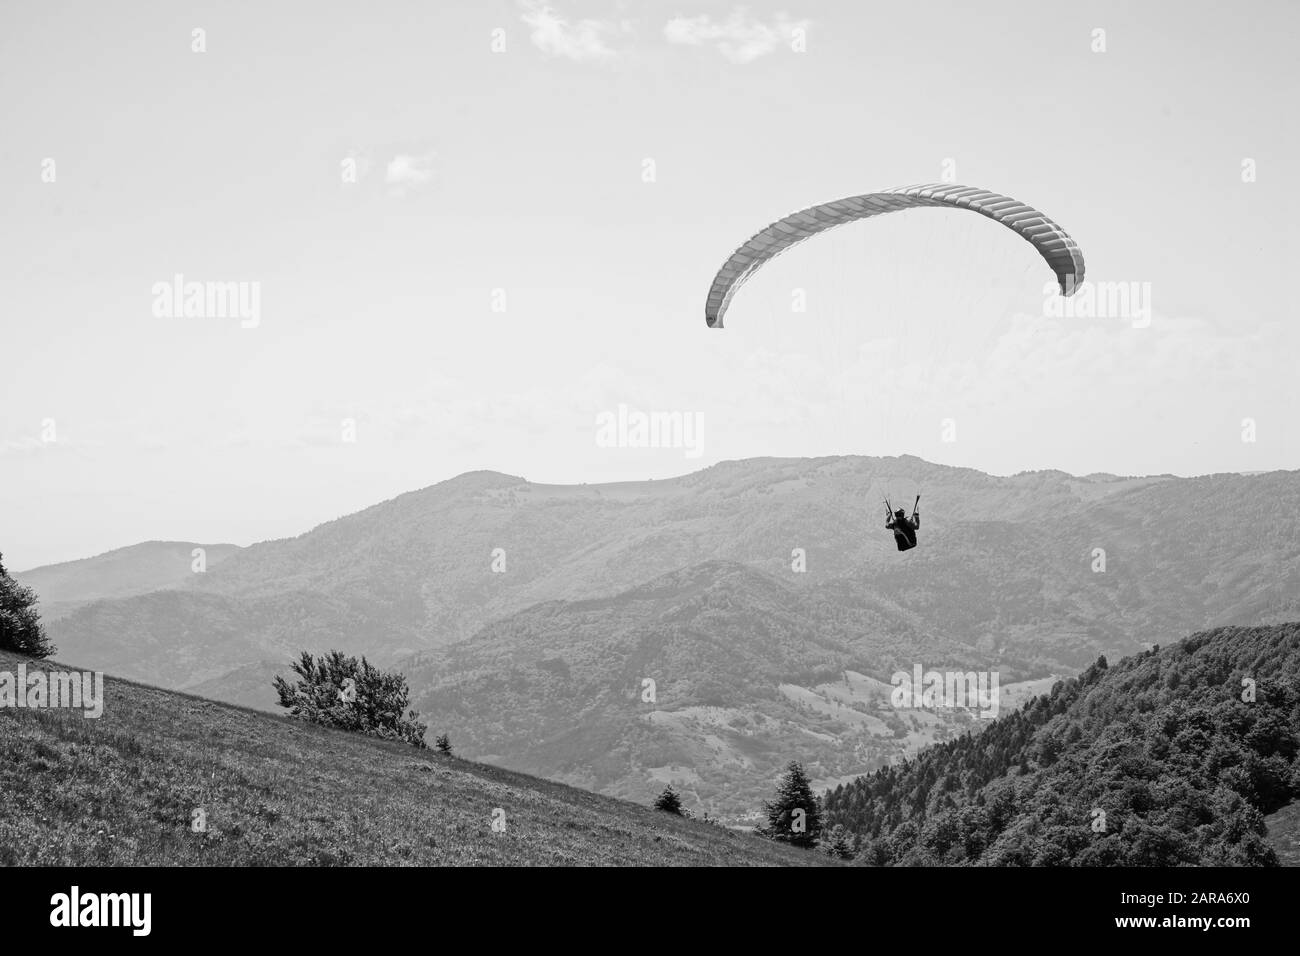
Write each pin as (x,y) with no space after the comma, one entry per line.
(123,789)
(1160,759)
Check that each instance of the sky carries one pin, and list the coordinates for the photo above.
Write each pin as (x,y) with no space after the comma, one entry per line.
(472,235)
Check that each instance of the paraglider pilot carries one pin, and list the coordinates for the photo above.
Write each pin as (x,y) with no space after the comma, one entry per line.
(904,528)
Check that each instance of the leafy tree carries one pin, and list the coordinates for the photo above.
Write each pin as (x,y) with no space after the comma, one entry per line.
(795,815)
(21,630)
(443,743)
(669,801)
(873,853)
(342,692)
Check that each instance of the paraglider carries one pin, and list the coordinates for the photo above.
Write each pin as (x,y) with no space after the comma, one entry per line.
(1052,242)
(904,528)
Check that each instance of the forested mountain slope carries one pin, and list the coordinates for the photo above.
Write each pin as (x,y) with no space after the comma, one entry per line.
(1171,757)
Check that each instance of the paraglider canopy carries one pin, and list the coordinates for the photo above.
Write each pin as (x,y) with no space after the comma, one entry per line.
(1052,242)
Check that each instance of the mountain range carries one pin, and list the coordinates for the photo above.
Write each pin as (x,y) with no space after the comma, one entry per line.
(763,598)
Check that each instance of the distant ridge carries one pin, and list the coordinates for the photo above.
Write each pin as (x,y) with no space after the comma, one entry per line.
(120,573)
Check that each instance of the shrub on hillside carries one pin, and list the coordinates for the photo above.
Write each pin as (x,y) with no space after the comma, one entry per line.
(342,692)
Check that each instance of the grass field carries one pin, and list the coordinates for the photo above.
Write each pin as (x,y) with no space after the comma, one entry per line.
(134,786)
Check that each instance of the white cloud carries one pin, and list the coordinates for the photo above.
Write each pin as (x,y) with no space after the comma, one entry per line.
(19,446)
(408,171)
(740,38)
(582,40)
(33,445)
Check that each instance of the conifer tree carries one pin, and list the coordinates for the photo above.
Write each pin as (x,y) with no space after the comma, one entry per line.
(795,815)
(669,801)
(21,630)
(838,843)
